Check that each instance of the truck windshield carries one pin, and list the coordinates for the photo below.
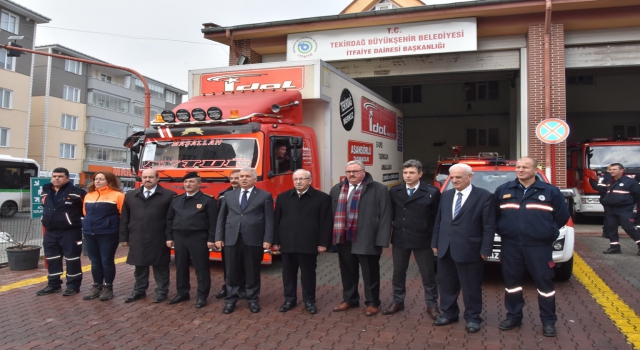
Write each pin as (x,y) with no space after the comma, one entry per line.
(200,153)
(599,157)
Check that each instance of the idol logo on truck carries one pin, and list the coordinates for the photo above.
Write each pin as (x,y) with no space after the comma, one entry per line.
(377,120)
(263,79)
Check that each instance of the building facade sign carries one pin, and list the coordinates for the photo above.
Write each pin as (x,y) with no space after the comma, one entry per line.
(419,38)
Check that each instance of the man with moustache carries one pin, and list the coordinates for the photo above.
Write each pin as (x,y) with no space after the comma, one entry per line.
(144,234)
(244,230)
(234,179)
(303,222)
(190,229)
(361,228)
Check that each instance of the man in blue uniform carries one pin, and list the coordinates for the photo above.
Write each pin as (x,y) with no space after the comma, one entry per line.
(620,196)
(62,221)
(528,217)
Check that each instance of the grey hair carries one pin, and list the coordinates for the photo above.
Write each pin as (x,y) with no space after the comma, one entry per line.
(307,172)
(412,163)
(252,171)
(467,169)
(358,162)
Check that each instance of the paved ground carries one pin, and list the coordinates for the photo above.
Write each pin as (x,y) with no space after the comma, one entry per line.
(31,322)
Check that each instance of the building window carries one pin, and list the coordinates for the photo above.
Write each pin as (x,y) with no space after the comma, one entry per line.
(6,98)
(4,137)
(73,67)
(155,90)
(482,90)
(9,22)
(8,63)
(67,151)
(483,137)
(138,110)
(624,131)
(69,122)
(105,154)
(105,77)
(406,94)
(104,100)
(170,97)
(107,127)
(71,94)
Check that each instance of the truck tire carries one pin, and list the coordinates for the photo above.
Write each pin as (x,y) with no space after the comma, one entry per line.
(564,271)
(8,209)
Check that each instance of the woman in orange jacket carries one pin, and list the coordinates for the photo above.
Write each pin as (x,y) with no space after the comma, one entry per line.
(100,229)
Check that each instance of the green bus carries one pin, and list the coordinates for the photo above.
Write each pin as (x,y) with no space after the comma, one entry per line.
(15,175)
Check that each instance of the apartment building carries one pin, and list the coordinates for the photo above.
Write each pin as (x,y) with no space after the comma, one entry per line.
(19,23)
(85,112)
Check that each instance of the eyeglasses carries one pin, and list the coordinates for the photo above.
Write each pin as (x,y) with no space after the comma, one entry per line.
(349,172)
(300,179)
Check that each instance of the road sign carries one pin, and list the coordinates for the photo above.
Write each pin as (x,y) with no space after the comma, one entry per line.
(36,191)
(552,130)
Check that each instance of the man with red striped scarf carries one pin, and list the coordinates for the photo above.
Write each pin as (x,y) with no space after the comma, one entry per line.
(529,215)
(362,227)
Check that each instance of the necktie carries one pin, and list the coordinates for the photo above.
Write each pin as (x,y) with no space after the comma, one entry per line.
(243,201)
(411,190)
(147,193)
(456,210)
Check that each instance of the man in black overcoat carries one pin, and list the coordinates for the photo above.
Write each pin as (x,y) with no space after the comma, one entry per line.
(142,229)
(303,226)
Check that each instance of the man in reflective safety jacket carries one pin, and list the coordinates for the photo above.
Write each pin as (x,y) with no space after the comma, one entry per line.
(528,217)
(620,196)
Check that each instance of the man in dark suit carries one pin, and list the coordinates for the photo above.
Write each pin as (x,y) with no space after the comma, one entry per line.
(144,234)
(361,228)
(234,180)
(245,228)
(414,205)
(463,238)
(303,221)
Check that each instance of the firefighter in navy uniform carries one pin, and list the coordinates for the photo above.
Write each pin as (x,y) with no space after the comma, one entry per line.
(619,199)
(528,218)
(191,224)
(62,221)
(603,185)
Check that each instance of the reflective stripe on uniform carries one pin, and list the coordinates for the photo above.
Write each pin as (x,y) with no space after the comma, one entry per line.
(69,259)
(55,274)
(547,295)
(620,191)
(514,290)
(54,257)
(539,207)
(77,274)
(510,206)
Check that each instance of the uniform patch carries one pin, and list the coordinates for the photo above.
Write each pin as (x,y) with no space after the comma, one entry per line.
(199,206)
(508,195)
(621,184)
(541,197)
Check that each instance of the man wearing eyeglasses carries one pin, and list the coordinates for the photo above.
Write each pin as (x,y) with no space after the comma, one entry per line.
(303,221)
(361,228)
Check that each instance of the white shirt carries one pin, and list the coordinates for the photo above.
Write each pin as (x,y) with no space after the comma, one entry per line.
(465,195)
(191,195)
(151,191)
(248,193)
(414,189)
(301,193)
(351,188)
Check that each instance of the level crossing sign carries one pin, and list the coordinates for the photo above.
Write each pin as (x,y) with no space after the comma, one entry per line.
(36,191)
(552,130)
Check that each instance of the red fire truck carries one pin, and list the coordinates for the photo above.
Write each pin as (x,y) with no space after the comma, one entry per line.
(484,158)
(238,116)
(586,164)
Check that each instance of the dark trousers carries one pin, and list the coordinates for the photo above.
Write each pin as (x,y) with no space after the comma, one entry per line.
(425,261)
(192,246)
(350,265)
(620,217)
(241,261)
(538,260)
(160,275)
(453,276)
(307,264)
(241,292)
(102,252)
(68,244)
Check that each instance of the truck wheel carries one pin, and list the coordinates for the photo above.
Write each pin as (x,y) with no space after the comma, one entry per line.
(577,217)
(564,271)
(8,209)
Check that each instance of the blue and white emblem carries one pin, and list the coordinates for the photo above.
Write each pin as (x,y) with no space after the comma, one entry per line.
(621,184)
(541,197)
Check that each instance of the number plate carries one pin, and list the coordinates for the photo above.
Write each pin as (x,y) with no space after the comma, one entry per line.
(495,256)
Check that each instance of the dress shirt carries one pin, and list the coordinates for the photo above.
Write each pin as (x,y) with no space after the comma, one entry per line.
(465,195)
(151,191)
(414,189)
(248,193)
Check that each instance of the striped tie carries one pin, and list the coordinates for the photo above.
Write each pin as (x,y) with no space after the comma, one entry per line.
(456,210)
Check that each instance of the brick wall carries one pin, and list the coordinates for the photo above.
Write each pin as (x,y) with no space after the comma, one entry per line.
(535,66)
(244,48)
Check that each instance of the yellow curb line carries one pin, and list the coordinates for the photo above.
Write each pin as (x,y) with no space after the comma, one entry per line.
(622,316)
(43,279)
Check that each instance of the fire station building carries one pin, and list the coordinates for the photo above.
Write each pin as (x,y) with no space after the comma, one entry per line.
(476,74)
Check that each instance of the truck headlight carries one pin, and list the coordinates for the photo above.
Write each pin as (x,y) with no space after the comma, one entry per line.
(558,245)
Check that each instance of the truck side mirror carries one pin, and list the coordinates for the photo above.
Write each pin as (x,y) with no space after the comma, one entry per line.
(271,174)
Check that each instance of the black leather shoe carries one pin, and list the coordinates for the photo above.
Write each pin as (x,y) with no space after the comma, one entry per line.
(287,306)
(69,292)
(549,330)
(178,298)
(135,296)
(254,307)
(443,321)
(311,308)
(473,327)
(222,293)
(509,324)
(160,298)
(228,308)
(201,302)
(613,250)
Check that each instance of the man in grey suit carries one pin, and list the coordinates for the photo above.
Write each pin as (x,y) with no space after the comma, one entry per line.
(463,238)
(244,229)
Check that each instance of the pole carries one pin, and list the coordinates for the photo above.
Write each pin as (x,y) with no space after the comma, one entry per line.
(550,150)
(147,94)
